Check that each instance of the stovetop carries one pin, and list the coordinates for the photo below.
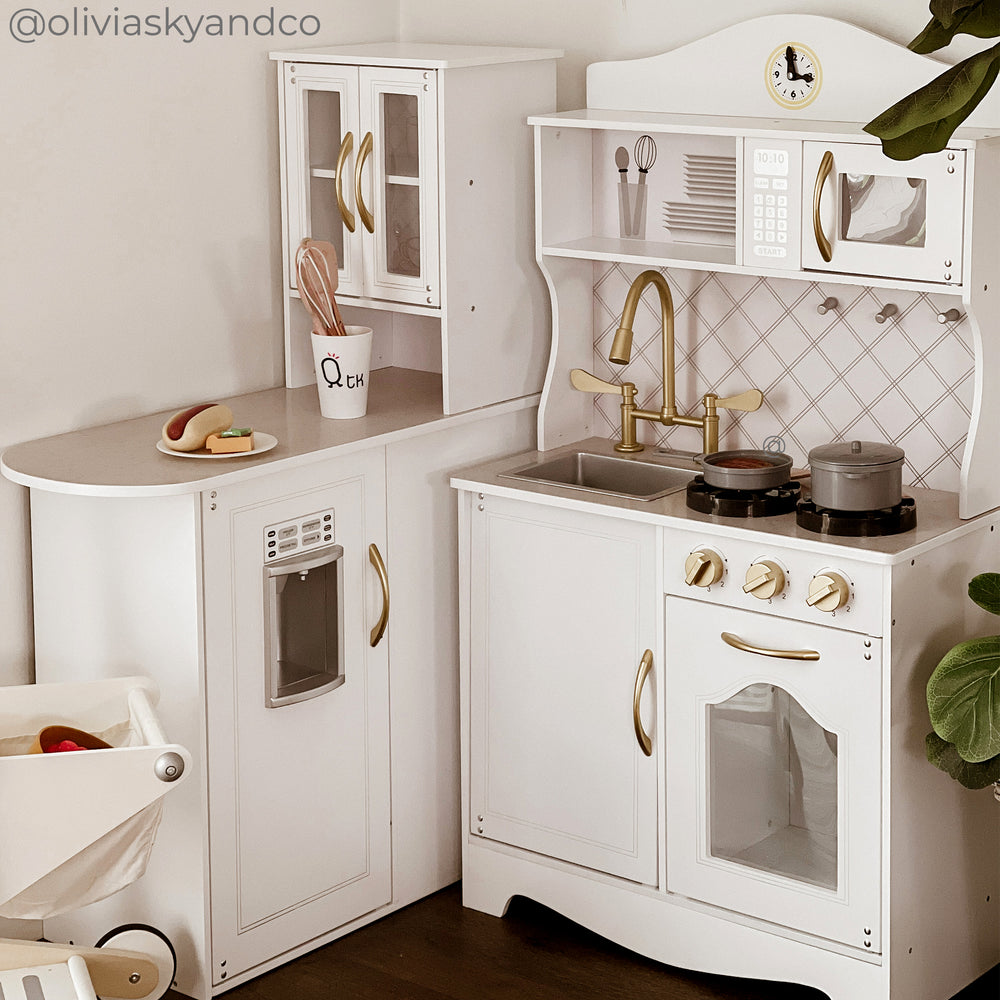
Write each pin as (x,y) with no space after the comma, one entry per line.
(937,510)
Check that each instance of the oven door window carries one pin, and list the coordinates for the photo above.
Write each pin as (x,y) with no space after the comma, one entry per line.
(773,786)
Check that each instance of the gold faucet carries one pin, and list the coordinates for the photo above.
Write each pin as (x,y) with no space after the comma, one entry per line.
(621,352)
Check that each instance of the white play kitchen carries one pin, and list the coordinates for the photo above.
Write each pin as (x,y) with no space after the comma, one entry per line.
(693,679)
(652,674)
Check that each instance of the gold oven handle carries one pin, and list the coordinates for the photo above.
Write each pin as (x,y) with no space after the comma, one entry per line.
(364,150)
(338,182)
(645,666)
(825,168)
(375,558)
(782,654)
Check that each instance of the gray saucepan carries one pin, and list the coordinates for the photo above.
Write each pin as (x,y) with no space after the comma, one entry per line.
(746,469)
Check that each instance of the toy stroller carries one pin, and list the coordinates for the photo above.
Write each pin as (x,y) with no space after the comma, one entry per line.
(76,827)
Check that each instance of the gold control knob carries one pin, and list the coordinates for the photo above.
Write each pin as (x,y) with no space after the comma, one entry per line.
(828,591)
(765,579)
(702,568)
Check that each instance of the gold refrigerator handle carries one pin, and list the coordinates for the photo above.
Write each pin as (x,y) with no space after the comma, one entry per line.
(825,168)
(782,654)
(338,182)
(364,150)
(375,558)
(645,666)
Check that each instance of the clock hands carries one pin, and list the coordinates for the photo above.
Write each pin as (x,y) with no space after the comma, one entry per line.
(793,73)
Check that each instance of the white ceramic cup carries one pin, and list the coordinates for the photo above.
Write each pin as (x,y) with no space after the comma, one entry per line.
(343,369)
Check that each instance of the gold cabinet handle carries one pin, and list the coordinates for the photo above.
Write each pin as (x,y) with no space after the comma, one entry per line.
(645,666)
(375,558)
(825,167)
(338,181)
(782,654)
(364,150)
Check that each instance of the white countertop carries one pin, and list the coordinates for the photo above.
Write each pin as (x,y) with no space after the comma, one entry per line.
(937,510)
(121,459)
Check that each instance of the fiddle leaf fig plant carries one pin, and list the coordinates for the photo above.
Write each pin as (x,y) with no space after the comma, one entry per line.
(963,699)
(923,122)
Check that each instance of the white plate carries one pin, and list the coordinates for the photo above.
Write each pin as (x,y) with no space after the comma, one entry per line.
(262,442)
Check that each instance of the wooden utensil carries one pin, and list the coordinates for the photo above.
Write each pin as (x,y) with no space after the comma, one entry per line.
(316,267)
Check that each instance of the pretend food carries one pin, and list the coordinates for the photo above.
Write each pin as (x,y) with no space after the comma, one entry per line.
(188,430)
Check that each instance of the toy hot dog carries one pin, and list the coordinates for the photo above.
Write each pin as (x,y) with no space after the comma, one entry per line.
(188,429)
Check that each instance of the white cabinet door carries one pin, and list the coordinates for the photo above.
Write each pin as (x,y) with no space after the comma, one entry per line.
(322,134)
(563,610)
(774,769)
(398,162)
(298,794)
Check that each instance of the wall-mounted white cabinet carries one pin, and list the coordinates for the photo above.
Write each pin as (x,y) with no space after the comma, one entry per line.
(415,162)
(382,215)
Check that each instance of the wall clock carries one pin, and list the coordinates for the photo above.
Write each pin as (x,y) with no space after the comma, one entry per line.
(793,75)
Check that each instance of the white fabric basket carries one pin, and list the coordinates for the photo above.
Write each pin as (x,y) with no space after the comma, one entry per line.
(77,827)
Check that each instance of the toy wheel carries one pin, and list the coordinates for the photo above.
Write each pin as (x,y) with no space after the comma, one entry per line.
(150,942)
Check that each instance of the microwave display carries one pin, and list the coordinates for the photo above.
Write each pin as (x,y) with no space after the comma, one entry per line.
(770,162)
(891,211)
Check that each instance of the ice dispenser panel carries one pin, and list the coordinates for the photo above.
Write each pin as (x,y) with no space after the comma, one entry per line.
(303,625)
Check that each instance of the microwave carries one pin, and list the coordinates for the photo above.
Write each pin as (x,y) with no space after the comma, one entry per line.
(846,208)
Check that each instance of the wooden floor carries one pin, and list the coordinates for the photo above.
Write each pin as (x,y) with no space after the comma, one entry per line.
(438,950)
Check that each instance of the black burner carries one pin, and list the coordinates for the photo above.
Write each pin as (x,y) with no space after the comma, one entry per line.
(741,503)
(857,524)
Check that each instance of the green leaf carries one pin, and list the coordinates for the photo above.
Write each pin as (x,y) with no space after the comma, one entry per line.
(934,36)
(950,12)
(963,698)
(943,755)
(947,10)
(923,122)
(984,589)
(980,18)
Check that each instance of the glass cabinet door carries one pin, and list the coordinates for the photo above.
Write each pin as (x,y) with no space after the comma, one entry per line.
(774,769)
(322,131)
(399,203)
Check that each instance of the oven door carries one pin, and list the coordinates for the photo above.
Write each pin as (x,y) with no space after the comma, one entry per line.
(863,213)
(773,769)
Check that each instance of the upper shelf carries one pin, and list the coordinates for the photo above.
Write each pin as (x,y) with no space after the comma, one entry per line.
(656,122)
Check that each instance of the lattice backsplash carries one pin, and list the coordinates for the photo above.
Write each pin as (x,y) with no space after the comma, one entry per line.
(825,378)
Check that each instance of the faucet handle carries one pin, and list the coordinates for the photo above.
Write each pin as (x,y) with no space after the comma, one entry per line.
(586,382)
(749,401)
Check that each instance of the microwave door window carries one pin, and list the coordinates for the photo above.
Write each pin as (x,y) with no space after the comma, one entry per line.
(773,795)
(889,211)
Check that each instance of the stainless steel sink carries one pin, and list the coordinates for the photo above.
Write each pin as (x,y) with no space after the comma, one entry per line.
(624,477)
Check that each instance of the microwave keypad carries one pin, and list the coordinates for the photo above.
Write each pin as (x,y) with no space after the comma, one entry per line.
(771,200)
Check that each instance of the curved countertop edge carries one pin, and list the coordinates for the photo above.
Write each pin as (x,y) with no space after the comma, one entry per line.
(937,510)
(121,460)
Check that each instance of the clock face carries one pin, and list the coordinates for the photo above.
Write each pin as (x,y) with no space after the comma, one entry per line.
(793,75)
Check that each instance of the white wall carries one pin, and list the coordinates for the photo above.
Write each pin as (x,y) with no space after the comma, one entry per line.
(139,232)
